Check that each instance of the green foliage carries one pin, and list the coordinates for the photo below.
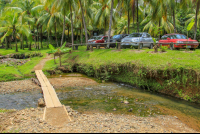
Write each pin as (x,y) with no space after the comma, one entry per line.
(190,25)
(163,48)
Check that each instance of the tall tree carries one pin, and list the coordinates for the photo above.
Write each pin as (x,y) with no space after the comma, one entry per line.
(110,23)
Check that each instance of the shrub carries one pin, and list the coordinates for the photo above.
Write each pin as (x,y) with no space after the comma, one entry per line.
(163,48)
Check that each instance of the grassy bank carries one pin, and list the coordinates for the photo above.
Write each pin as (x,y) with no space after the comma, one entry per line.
(175,72)
(15,72)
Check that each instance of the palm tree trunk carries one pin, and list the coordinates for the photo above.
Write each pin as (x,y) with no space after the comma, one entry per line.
(197,12)
(22,41)
(72,33)
(128,22)
(56,33)
(50,37)
(81,34)
(84,24)
(68,34)
(133,12)
(7,45)
(38,45)
(41,37)
(174,21)
(138,30)
(60,60)
(110,24)
(34,37)
(63,30)
(105,28)
(14,31)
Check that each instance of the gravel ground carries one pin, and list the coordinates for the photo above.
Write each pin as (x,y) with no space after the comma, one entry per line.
(31,121)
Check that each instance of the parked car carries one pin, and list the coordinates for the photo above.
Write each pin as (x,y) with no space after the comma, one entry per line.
(117,38)
(99,39)
(134,39)
(178,38)
(93,38)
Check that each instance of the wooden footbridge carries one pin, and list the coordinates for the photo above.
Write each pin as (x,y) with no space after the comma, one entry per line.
(54,109)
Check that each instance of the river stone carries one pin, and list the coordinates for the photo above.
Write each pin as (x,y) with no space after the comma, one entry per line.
(41,102)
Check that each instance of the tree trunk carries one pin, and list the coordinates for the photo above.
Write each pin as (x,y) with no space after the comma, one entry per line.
(41,37)
(105,28)
(138,30)
(174,21)
(60,60)
(34,37)
(72,33)
(22,41)
(63,30)
(68,34)
(56,33)
(7,45)
(27,42)
(50,38)
(133,12)
(84,24)
(128,22)
(38,44)
(110,24)
(197,12)
(81,34)
(14,31)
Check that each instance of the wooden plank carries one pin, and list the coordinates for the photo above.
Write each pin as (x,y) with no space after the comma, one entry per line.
(51,91)
(40,78)
(47,98)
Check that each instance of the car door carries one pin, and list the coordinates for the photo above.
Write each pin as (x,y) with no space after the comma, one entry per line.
(145,40)
(149,40)
(164,40)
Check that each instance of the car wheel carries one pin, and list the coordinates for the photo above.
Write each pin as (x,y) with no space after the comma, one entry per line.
(192,49)
(172,47)
(151,46)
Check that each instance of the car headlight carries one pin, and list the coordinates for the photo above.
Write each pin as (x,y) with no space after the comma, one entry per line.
(135,40)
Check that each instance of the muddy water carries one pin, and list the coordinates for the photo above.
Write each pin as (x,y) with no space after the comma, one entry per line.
(20,101)
(111,97)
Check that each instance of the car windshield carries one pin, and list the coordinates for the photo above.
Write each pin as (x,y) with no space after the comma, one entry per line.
(135,35)
(94,37)
(98,38)
(116,37)
(178,36)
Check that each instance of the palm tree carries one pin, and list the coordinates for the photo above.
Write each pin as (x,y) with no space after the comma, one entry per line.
(110,23)
(14,24)
(102,14)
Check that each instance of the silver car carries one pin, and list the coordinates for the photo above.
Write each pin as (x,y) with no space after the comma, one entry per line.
(134,39)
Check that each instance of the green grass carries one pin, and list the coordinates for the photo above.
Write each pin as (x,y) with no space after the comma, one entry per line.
(172,59)
(12,73)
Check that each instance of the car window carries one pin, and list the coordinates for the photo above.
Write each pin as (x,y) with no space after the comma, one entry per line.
(135,35)
(144,35)
(116,37)
(148,35)
(178,36)
(164,37)
(99,38)
(105,38)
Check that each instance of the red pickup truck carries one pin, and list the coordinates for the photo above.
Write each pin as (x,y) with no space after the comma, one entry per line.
(180,41)
(99,39)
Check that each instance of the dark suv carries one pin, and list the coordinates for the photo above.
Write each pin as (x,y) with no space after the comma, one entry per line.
(117,38)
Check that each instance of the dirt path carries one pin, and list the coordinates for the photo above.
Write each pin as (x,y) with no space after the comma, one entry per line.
(42,63)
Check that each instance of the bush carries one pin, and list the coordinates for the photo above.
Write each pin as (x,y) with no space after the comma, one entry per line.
(163,48)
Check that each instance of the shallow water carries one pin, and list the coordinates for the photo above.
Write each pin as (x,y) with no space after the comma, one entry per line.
(19,100)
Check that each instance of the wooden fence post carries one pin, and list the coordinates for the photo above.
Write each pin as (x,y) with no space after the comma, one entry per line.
(91,48)
(119,46)
(72,47)
(98,46)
